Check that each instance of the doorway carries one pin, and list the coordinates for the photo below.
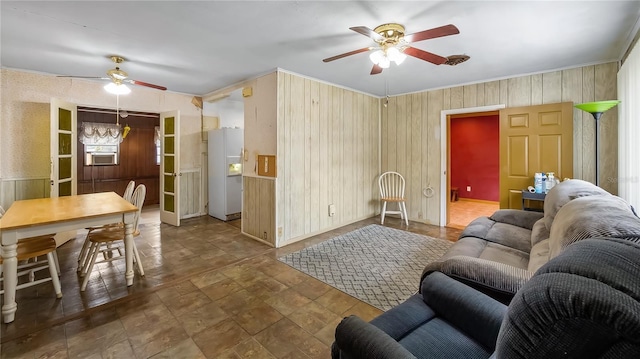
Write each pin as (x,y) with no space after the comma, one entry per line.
(466,211)
(134,158)
(474,166)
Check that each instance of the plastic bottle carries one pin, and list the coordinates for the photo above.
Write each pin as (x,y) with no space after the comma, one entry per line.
(537,182)
(544,183)
(551,181)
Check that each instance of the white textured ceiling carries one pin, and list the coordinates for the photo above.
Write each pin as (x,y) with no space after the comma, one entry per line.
(197,47)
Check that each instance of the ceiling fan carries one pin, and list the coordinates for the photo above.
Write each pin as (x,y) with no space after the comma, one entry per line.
(394,45)
(119,77)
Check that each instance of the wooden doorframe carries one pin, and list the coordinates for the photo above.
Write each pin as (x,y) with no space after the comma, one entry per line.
(444,153)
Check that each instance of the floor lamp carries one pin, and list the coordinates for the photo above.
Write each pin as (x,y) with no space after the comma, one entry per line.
(597,109)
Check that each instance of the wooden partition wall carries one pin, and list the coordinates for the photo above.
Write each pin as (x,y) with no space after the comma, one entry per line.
(258,215)
(327,155)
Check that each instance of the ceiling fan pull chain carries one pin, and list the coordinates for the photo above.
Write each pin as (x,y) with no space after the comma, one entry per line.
(118,109)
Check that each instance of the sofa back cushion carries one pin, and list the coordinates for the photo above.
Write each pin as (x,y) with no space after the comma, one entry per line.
(564,192)
(539,255)
(539,232)
(582,304)
(589,217)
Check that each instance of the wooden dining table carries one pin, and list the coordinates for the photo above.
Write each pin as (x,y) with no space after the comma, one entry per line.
(36,217)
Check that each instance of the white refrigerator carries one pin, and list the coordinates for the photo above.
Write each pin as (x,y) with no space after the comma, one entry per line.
(225,173)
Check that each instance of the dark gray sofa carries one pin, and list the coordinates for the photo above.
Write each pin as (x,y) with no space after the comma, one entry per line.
(498,254)
(584,303)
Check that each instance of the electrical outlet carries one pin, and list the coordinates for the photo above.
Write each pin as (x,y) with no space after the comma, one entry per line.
(468,188)
(332,210)
(279,231)
(420,214)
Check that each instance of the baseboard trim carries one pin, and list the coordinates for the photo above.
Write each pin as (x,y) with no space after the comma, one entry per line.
(478,200)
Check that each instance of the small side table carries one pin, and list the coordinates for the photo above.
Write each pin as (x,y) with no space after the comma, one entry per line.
(454,194)
(528,196)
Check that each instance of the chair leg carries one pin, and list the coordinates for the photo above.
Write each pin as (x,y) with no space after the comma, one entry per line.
(404,213)
(94,256)
(53,271)
(93,248)
(82,257)
(136,257)
(57,262)
(382,213)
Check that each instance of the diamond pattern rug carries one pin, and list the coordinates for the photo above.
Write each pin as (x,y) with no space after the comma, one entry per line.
(376,264)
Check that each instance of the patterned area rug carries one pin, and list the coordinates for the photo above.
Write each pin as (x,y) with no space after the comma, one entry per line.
(376,264)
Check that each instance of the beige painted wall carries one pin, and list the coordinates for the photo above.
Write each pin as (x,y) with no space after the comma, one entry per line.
(327,154)
(24,123)
(411,141)
(260,121)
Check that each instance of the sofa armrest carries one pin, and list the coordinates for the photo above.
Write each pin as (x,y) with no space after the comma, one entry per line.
(517,217)
(457,303)
(356,339)
(498,280)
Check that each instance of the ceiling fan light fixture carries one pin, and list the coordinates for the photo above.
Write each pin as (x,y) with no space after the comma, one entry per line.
(395,55)
(117,74)
(117,89)
(384,62)
(377,56)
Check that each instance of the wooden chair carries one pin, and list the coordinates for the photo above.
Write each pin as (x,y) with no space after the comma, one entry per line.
(392,190)
(82,257)
(28,252)
(110,240)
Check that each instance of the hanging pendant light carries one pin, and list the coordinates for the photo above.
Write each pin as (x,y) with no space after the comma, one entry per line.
(125,131)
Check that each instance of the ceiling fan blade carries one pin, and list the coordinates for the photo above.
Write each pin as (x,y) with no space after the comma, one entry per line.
(364,49)
(140,83)
(424,55)
(84,77)
(445,30)
(367,32)
(376,70)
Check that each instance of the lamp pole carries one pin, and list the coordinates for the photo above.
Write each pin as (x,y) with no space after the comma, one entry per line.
(597,109)
(597,116)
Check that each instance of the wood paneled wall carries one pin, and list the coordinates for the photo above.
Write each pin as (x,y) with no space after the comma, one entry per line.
(328,142)
(258,212)
(27,188)
(411,142)
(190,193)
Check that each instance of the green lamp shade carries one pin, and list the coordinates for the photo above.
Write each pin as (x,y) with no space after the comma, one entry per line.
(598,106)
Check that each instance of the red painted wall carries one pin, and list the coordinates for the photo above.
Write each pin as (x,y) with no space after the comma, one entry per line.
(475,157)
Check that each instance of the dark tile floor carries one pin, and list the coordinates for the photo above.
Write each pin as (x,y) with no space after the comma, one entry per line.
(208,292)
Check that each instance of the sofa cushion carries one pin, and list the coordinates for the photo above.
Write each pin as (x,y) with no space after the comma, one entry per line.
(564,192)
(500,233)
(498,280)
(539,255)
(516,217)
(480,248)
(585,217)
